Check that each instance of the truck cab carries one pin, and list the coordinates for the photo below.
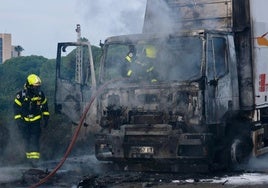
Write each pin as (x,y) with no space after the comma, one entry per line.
(176,117)
(190,96)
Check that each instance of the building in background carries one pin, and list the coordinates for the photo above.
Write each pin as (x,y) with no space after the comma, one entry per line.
(8,51)
(5,47)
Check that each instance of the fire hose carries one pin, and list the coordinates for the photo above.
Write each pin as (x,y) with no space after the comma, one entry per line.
(75,136)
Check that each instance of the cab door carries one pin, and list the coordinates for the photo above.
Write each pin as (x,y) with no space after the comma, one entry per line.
(218,92)
(75,79)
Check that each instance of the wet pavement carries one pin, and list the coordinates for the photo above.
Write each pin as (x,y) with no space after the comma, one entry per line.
(85,172)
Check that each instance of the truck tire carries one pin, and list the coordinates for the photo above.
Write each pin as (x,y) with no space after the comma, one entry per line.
(240,150)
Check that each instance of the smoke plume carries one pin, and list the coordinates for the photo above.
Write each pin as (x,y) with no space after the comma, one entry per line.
(107,18)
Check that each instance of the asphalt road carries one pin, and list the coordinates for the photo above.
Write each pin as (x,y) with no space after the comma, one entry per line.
(87,172)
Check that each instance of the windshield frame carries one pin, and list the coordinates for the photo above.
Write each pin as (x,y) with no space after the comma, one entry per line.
(158,42)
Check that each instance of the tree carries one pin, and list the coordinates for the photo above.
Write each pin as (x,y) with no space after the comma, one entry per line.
(18,49)
(13,75)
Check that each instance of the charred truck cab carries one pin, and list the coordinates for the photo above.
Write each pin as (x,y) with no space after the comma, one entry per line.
(178,119)
(195,96)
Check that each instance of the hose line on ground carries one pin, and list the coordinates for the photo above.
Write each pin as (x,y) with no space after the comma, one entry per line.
(75,136)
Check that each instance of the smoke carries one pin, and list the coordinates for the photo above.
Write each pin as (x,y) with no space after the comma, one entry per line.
(158,18)
(9,174)
(257,164)
(12,147)
(105,18)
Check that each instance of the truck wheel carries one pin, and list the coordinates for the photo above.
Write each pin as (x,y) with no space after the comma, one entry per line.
(240,150)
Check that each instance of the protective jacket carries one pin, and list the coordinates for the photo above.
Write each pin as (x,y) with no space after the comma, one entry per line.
(30,107)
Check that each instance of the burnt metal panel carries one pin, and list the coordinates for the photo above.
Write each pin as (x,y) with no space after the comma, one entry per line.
(188,14)
(241,15)
(201,14)
(245,70)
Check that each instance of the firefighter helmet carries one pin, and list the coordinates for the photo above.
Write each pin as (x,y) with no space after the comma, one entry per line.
(33,80)
(150,51)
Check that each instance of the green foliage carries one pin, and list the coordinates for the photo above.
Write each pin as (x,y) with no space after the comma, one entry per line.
(14,71)
(13,75)
(69,62)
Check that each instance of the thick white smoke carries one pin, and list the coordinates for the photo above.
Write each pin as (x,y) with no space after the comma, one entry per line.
(158,17)
(105,18)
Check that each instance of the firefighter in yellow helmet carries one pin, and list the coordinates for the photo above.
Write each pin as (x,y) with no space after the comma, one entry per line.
(148,62)
(30,109)
(141,66)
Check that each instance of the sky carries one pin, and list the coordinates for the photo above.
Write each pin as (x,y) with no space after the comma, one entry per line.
(38,25)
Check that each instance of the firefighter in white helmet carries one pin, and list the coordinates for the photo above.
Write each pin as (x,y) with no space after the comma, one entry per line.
(30,108)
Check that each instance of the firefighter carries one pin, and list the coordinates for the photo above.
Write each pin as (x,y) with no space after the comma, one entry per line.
(147,61)
(142,66)
(128,65)
(30,112)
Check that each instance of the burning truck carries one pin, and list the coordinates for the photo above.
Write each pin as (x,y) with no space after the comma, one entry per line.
(194,95)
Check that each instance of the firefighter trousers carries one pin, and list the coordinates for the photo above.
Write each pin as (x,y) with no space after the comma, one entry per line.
(31,132)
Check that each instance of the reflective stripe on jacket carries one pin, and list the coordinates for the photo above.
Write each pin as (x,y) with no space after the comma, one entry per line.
(32,155)
(30,108)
